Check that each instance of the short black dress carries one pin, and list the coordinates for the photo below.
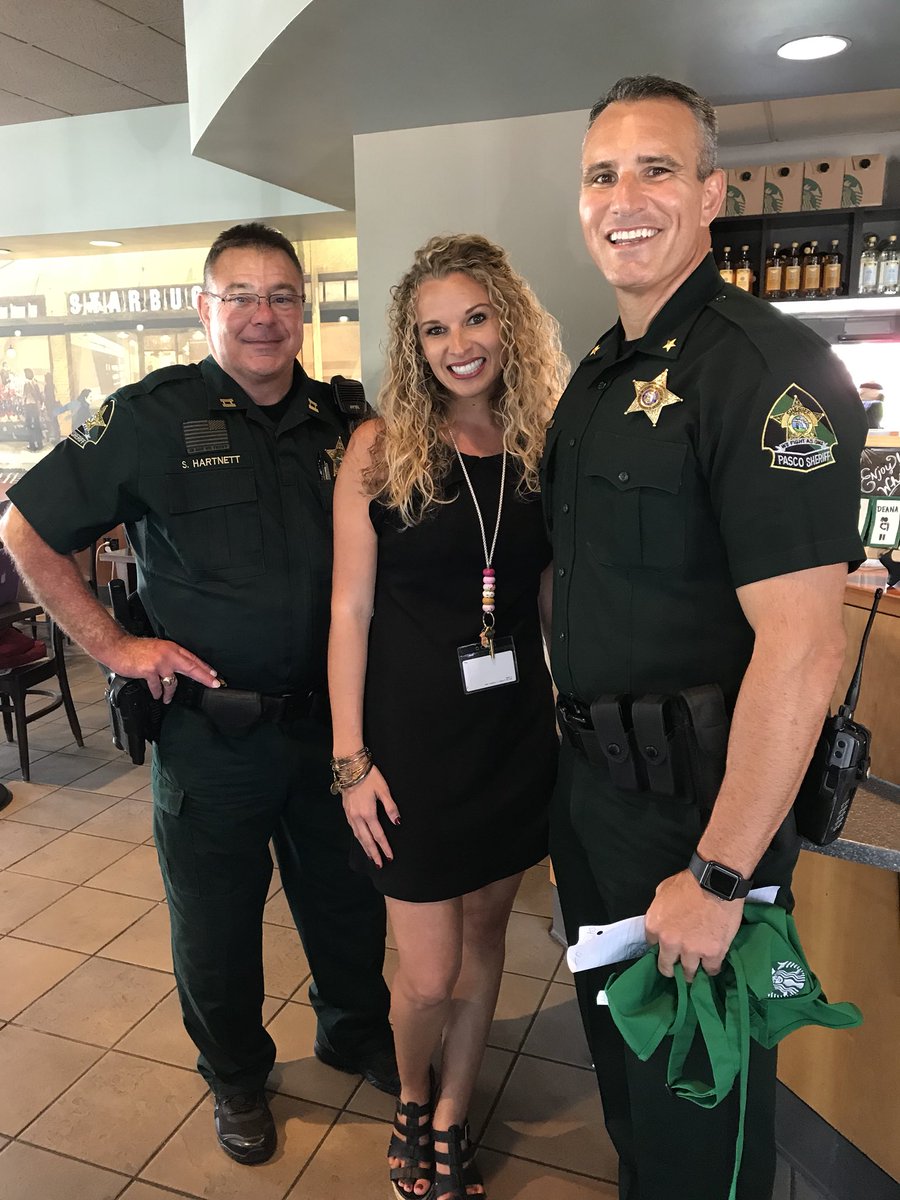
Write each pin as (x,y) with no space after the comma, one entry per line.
(471,773)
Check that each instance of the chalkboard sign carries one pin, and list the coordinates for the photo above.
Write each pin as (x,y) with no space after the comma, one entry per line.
(879,516)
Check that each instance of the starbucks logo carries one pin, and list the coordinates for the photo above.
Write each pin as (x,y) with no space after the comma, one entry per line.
(852,195)
(812,194)
(788,979)
(734,202)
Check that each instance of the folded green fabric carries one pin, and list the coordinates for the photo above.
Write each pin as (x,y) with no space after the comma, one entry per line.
(764,990)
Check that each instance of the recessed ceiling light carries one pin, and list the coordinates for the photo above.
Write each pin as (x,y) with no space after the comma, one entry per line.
(5,251)
(821,46)
(104,242)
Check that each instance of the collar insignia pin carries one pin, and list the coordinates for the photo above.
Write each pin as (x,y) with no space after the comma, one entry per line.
(651,396)
(670,344)
(313,407)
(226,402)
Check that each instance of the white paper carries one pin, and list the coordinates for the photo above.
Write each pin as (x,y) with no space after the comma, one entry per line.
(600,945)
(885,523)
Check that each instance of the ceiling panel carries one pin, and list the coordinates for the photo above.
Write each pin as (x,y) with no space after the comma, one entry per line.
(52,81)
(15,110)
(148,12)
(173,29)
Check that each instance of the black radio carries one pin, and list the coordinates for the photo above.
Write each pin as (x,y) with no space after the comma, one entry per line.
(840,762)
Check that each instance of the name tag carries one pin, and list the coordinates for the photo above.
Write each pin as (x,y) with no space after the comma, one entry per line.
(480,671)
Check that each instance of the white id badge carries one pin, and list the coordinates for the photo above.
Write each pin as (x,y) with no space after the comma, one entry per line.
(480,671)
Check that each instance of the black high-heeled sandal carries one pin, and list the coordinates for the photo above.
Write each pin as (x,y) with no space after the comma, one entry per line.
(460,1158)
(412,1144)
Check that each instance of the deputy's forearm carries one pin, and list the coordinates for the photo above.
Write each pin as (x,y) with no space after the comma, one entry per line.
(778,717)
(56,583)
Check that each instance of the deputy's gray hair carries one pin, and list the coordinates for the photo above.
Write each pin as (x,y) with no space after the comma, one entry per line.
(654,87)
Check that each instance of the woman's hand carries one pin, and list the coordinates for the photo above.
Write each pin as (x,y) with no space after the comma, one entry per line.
(361,809)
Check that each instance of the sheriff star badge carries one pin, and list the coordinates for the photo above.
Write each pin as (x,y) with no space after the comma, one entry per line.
(651,396)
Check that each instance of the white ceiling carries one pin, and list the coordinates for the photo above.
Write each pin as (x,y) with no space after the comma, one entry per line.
(62,58)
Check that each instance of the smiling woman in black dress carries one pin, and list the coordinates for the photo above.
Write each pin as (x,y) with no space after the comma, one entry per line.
(446,754)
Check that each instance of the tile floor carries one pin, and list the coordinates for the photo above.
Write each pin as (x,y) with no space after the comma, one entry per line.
(98,1095)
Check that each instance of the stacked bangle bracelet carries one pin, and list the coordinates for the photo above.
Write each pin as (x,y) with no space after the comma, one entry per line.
(349,771)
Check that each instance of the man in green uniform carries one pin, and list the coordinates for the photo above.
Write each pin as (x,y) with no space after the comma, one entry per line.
(223,473)
(701,484)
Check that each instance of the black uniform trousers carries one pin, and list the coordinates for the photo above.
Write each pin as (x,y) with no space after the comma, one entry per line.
(218,801)
(610,849)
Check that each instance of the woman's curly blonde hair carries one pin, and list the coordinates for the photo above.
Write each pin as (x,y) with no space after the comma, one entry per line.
(410,456)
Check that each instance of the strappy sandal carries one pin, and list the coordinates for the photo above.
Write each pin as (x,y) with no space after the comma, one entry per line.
(411,1143)
(460,1158)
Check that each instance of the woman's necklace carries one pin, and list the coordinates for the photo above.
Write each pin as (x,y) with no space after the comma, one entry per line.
(488,575)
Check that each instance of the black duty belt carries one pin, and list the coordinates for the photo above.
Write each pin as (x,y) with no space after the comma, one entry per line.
(667,745)
(235,711)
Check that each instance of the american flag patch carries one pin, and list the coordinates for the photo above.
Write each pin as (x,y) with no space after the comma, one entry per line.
(201,437)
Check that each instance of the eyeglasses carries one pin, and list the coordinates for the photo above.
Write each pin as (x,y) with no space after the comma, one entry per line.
(286,302)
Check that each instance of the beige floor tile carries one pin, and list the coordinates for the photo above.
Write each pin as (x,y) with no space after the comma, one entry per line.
(277,912)
(72,858)
(27,970)
(83,920)
(116,778)
(27,1173)
(550,1113)
(513,1179)
(533,895)
(494,1070)
(18,842)
(65,808)
(284,962)
(557,1032)
(129,821)
(137,874)
(21,897)
(519,999)
(60,769)
(120,1112)
(161,1034)
(49,736)
(191,1160)
(99,1002)
(99,745)
(92,717)
(274,883)
(42,1066)
(529,948)
(23,795)
(148,1191)
(350,1162)
(147,943)
(145,794)
(297,1071)
(563,974)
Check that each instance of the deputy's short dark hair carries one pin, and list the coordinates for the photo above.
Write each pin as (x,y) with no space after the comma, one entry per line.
(654,87)
(254,235)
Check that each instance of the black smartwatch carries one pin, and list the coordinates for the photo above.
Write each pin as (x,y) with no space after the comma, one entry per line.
(722,881)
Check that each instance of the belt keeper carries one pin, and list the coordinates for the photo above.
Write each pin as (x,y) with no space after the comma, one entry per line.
(651,736)
(613,740)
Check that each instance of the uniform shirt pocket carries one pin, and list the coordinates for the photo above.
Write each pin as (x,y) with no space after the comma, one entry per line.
(632,501)
(215,522)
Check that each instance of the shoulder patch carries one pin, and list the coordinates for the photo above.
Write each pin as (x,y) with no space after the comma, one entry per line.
(797,432)
(92,431)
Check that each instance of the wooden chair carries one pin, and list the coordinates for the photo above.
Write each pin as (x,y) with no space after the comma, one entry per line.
(17,683)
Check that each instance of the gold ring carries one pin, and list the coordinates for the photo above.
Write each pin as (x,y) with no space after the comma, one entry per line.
(167,680)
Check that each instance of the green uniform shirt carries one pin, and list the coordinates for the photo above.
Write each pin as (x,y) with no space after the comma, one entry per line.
(229,515)
(739,463)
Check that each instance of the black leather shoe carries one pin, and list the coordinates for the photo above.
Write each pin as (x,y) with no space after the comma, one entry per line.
(378,1066)
(5,795)
(245,1128)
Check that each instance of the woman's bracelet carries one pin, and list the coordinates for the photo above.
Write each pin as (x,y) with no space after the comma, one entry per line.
(348,772)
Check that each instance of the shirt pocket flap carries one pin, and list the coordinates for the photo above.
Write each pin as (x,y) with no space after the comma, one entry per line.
(194,491)
(629,463)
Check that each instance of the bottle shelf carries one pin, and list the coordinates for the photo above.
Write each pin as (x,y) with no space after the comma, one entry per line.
(849,226)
